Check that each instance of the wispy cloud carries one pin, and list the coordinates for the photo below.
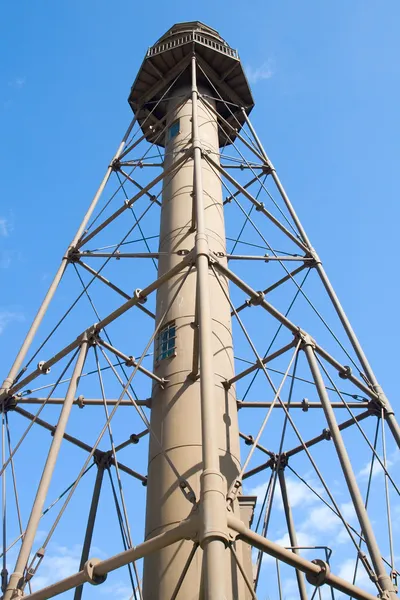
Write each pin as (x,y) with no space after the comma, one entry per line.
(5,227)
(60,562)
(7,317)
(17,82)
(299,494)
(264,71)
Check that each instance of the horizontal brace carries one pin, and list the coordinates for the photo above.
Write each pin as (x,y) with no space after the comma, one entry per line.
(140,164)
(295,560)
(185,530)
(81,401)
(257,365)
(119,255)
(267,258)
(130,361)
(243,166)
(326,435)
(305,406)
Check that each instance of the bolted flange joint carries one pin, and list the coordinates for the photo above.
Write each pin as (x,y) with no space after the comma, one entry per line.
(318,579)
(89,570)
(8,403)
(305,339)
(382,401)
(316,259)
(214,518)
(202,248)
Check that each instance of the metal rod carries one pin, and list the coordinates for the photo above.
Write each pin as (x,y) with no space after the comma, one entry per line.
(250,441)
(17,577)
(81,401)
(119,255)
(58,276)
(292,559)
(305,406)
(130,361)
(267,258)
(326,434)
(274,285)
(243,572)
(292,531)
(185,530)
(258,365)
(90,524)
(373,549)
(185,570)
(103,279)
(79,443)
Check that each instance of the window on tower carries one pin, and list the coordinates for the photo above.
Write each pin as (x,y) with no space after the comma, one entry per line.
(166,342)
(173,130)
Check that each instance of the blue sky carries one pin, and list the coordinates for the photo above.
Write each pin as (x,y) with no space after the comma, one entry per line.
(326,81)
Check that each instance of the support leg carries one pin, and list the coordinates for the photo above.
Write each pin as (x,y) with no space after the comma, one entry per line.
(90,524)
(17,577)
(383,578)
(292,532)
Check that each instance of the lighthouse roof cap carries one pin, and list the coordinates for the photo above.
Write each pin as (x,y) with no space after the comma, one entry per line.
(166,70)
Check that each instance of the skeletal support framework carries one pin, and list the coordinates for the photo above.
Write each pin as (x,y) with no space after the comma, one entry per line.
(191,99)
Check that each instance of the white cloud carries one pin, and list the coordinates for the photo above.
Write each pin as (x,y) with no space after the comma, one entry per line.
(58,563)
(7,317)
(346,571)
(298,493)
(118,591)
(264,71)
(17,82)
(5,227)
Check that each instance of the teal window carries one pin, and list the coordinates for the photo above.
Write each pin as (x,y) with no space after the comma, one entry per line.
(173,130)
(166,342)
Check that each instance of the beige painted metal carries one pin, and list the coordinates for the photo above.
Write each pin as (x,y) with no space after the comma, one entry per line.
(176,409)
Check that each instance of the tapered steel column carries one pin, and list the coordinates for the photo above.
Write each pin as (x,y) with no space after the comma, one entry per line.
(383,578)
(292,532)
(47,474)
(194,418)
(90,524)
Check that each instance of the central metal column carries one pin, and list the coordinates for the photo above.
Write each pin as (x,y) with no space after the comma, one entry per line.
(194,417)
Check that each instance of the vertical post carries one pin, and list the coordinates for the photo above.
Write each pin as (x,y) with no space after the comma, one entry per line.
(213,537)
(8,382)
(44,484)
(90,524)
(389,413)
(292,531)
(383,578)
